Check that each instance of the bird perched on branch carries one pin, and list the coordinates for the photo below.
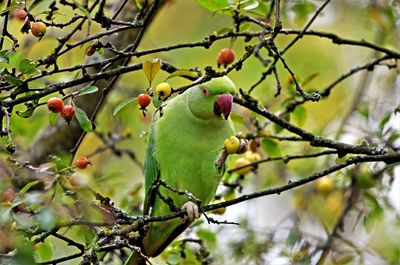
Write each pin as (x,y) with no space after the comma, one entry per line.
(181,167)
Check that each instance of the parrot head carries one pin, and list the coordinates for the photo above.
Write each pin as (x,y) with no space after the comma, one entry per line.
(213,99)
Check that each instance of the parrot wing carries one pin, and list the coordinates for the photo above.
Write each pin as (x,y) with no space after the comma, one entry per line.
(152,172)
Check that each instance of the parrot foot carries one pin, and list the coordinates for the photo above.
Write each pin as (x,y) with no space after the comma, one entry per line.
(191,212)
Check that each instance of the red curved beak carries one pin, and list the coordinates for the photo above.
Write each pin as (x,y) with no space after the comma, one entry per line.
(223,105)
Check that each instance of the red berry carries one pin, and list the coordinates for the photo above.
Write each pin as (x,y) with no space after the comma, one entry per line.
(38,29)
(55,105)
(91,50)
(68,113)
(144,100)
(225,56)
(82,162)
(20,14)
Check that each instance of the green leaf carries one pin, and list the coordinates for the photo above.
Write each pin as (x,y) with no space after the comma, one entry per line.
(28,186)
(12,80)
(123,104)
(346,259)
(53,118)
(244,27)
(214,5)
(363,109)
(372,217)
(26,66)
(83,120)
(34,4)
(223,30)
(384,121)
(151,68)
(24,253)
(87,235)
(101,51)
(88,90)
(184,73)
(302,9)
(207,235)
(293,237)
(84,10)
(26,113)
(4,56)
(299,115)
(309,78)
(278,128)
(271,147)
(371,200)
(248,5)
(157,102)
(5,215)
(174,259)
(10,8)
(44,250)
(261,10)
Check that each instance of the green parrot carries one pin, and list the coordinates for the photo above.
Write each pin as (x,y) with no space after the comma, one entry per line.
(184,144)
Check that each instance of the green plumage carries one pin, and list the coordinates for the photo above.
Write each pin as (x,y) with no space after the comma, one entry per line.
(183,146)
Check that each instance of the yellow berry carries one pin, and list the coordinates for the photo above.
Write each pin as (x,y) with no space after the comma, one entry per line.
(299,202)
(232,144)
(334,202)
(163,90)
(229,195)
(324,185)
(219,210)
(252,156)
(241,161)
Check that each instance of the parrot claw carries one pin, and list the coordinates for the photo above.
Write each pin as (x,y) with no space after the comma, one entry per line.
(191,212)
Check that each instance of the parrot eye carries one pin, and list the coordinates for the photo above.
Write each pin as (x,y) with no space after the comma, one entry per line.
(205,92)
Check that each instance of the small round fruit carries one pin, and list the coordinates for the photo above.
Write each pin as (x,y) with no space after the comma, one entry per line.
(252,156)
(38,29)
(225,56)
(163,90)
(55,105)
(8,195)
(75,180)
(254,144)
(82,162)
(91,51)
(221,210)
(241,161)
(299,202)
(144,100)
(365,180)
(334,202)
(229,194)
(324,185)
(68,113)
(232,144)
(20,14)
